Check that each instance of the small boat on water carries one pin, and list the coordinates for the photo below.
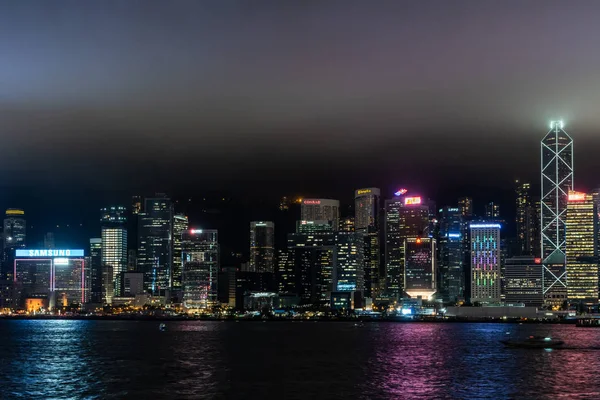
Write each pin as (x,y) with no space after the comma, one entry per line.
(533,342)
(162,327)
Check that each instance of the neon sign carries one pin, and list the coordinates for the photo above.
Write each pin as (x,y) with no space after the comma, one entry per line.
(412,200)
(485,226)
(537,260)
(311,202)
(576,196)
(195,231)
(400,192)
(49,253)
(363,191)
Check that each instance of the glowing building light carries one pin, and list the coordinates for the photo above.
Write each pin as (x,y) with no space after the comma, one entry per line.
(485,226)
(195,231)
(412,200)
(576,196)
(400,192)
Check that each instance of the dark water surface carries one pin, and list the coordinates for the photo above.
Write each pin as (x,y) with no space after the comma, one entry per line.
(122,359)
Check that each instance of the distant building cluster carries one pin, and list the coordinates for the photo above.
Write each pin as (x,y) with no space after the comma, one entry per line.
(391,250)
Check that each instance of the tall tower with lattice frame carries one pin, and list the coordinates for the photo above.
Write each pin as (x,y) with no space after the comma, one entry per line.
(557,181)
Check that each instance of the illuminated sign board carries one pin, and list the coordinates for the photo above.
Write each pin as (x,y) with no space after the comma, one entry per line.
(485,226)
(576,196)
(400,192)
(537,260)
(312,202)
(453,209)
(454,235)
(412,200)
(49,253)
(363,191)
(195,231)
(15,212)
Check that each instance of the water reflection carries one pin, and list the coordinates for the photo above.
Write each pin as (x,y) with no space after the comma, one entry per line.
(123,359)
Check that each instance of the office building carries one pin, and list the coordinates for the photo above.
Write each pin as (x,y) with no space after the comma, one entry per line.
(14,237)
(557,181)
(200,269)
(133,284)
(466,206)
(451,258)
(485,263)
(262,247)
(155,232)
(180,225)
(366,222)
(492,211)
(321,210)
(286,272)
(349,263)
(527,221)
(347,224)
(404,217)
(523,281)
(56,275)
(113,221)
(420,267)
(581,244)
(95,268)
(227,282)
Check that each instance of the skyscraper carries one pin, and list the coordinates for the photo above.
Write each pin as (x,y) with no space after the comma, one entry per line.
(262,246)
(14,236)
(114,242)
(366,222)
(95,269)
(180,226)
(485,263)
(451,261)
(523,277)
(466,206)
(404,217)
(349,263)
(492,211)
(557,181)
(582,266)
(155,248)
(200,269)
(321,210)
(420,267)
(527,221)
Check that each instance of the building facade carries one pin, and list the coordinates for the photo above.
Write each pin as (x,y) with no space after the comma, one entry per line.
(180,226)
(420,267)
(451,260)
(113,221)
(581,245)
(262,247)
(523,281)
(321,210)
(485,263)
(200,269)
(155,256)
(557,181)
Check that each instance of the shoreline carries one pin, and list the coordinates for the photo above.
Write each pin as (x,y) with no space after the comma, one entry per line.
(301,320)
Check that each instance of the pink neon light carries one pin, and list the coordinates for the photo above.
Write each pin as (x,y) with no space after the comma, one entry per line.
(314,202)
(400,192)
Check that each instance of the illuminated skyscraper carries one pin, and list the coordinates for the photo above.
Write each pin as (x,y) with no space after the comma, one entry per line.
(557,181)
(155,247)
(451,261)
(404,217)
(527,221)
(349,263)
(582,267)
(262,246)
(366,222)
(466,206)
(180,225)
(200,268)
(114,242)
(14,236)
(95,269)
(492,211)
(347,224)
(321,210)
(420,267)
(485,263)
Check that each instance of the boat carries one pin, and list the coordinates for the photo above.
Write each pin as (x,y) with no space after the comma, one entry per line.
(162,327)
(534,342)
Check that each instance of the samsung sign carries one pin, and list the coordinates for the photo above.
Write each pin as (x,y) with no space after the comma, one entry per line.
(49,253)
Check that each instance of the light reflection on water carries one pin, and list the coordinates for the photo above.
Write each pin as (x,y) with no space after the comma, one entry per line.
(123,359)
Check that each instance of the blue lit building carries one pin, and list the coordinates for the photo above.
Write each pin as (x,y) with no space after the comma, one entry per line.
(451,257)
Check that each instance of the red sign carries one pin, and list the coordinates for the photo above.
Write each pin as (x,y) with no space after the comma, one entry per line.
(576,196)
(316,202)
(537,260)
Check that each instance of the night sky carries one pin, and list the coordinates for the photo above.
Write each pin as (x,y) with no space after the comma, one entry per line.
(101,100)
